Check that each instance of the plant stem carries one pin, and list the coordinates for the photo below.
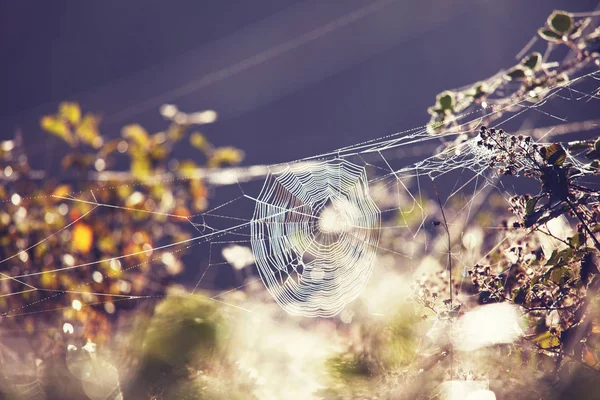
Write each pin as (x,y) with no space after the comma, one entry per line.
(585,226)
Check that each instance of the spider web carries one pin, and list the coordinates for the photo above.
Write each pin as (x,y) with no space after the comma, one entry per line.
(316,228)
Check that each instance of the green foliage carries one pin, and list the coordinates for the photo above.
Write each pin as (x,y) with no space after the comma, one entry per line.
(185,334)
(82,300)
(532,61)
(560,22)
(557,293)
(533,76)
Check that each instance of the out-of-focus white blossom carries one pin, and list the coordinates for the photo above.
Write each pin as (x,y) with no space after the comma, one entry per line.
(487,325)
(238,256)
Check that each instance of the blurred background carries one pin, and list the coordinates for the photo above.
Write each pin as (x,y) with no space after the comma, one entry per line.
(288,79)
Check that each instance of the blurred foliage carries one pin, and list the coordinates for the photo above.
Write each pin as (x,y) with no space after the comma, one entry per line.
(530,80)
(49,225)
(181,351)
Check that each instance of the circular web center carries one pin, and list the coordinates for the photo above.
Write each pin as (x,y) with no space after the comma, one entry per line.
(314,236)
(338,217)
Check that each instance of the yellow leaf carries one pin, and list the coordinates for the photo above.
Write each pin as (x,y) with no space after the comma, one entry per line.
(70,112)
(87,131)
(199,141)
(140,167)
(187,168)
(62,190)
(136,133)
(225,155)
(546,340)
(48,280)
(106,244)
(176,132)
(57,127)
(83,237)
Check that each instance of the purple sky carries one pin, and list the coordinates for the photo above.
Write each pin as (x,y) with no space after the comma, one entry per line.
(288,78)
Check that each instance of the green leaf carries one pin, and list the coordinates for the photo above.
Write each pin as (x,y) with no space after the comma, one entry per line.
(549,35)
(577,240)
(555,154)
(519,295)
(530,206)
(516,74)
(532,61)
(445,100)
(554,257)
(560,258)
(560,275)
(560,22)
